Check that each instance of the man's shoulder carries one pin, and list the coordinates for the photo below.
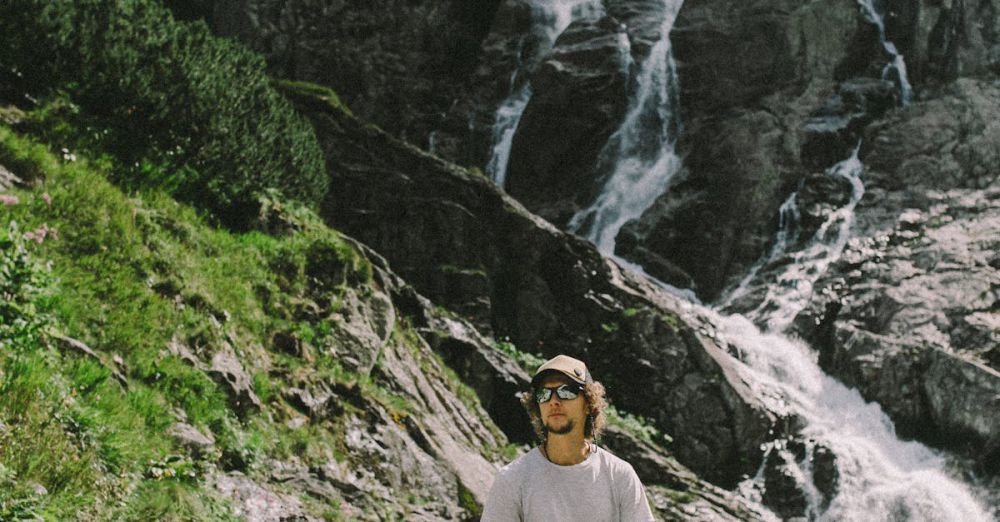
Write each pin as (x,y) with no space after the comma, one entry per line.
(614,462)
(519,465)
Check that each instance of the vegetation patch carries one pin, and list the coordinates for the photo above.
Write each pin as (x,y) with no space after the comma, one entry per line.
(173,105)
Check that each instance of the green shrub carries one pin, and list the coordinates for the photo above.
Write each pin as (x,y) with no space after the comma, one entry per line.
(184,109)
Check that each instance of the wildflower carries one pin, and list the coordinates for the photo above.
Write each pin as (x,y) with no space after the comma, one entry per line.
(47,198)
(67,155)
(8,200)
(38,235)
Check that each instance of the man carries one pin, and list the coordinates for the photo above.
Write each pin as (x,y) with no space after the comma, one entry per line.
(567,477)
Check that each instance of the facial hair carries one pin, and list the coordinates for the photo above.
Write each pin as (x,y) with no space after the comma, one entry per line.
(566,428)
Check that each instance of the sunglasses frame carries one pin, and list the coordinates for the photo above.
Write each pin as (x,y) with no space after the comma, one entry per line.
(573,389)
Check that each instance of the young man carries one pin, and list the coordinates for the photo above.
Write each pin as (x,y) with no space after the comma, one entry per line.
(567,477)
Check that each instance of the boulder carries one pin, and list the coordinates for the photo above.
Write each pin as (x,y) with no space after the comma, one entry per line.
(200,444)
(227,370)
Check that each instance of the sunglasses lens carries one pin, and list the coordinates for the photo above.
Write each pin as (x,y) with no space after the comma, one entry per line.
(565,392)
(542,395)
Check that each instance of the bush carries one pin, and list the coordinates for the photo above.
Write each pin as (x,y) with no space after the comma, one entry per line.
(196,107)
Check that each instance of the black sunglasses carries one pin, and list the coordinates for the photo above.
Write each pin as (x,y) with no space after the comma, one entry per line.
(566,392)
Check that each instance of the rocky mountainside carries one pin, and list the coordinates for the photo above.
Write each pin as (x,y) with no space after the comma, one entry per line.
(398,338)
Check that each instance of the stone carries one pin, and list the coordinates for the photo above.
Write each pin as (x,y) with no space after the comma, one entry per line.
(194,440)
(255,502)
(227,370)
(364,324)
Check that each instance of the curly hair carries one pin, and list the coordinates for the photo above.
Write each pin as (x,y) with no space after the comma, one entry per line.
(593,393)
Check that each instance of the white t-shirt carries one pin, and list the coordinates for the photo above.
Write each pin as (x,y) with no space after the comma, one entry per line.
(602,488)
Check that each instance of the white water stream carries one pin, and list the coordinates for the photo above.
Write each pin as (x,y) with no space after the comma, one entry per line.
(896,63)
(549,19)
(880,476)
(642,149)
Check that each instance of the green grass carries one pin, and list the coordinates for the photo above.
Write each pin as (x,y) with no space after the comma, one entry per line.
(129,275)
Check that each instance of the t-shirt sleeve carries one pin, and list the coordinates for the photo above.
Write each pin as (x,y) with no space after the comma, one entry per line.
(504,501)
(632,497)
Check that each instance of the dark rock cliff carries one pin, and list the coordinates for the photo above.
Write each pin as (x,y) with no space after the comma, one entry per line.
(450,233)
(773,93)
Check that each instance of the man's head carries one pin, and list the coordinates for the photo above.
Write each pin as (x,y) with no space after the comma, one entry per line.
(565,398)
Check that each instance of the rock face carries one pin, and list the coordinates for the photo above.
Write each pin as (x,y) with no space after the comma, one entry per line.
(552,294)
(578,99)
(397,63)
(753,75)
(908,315)
(773,92)
(910,318)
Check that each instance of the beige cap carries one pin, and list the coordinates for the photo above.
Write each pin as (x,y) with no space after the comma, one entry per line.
(570,367)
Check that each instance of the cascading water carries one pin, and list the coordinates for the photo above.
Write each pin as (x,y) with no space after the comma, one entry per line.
(896,64)
(549,19)
(880,476)
(794,285)
(642,149)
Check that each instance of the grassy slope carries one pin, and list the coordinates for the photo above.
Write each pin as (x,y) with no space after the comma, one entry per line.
(129,275)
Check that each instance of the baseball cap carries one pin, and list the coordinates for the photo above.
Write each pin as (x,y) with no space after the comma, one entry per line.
(566,365)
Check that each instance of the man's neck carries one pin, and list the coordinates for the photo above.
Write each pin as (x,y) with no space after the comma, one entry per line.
(566,450)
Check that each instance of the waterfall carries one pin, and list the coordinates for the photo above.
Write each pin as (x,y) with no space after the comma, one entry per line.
(896,64)
(793,286)
(880,476)
(549,19)
(642,149)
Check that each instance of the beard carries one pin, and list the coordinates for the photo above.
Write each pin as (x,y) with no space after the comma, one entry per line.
(564,429)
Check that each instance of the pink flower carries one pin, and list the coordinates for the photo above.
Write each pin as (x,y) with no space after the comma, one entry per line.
(8,200)
(47,198)
(38,235)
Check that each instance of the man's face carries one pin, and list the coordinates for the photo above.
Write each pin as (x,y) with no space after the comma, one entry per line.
(561,416)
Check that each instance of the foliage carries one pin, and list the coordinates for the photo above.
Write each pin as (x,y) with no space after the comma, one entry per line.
(181,108)
(637,426)
(23,282)
(129,277)
(529,361)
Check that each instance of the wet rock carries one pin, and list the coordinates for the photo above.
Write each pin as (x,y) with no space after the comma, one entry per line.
(800,478)
(818,197)
(784,485)
(717,218)
(825,475)
(907,317)
(578,99)
(833,131)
